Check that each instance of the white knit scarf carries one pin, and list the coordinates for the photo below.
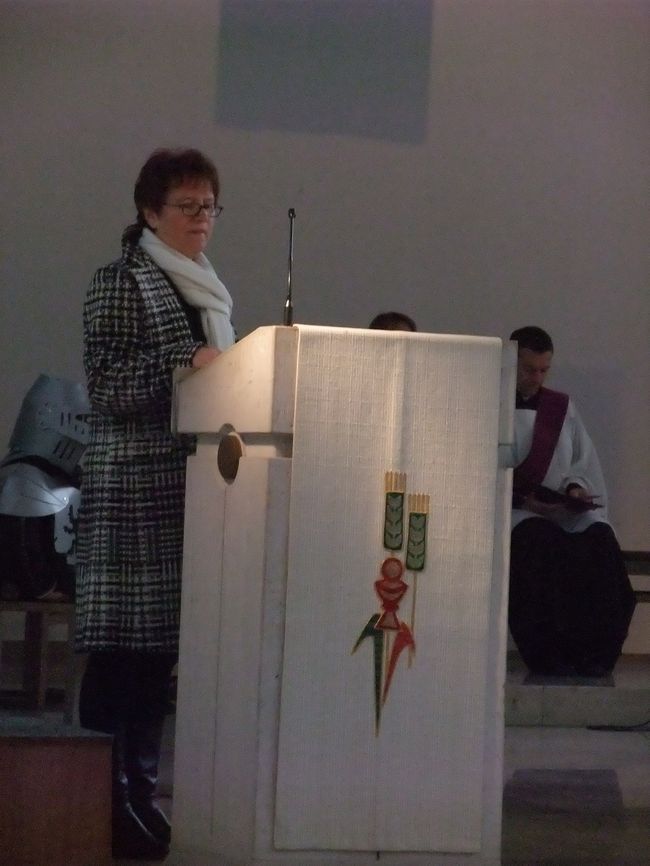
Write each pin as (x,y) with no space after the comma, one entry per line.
(199,285)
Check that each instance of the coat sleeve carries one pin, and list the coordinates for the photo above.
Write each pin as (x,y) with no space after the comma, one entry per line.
(127,373)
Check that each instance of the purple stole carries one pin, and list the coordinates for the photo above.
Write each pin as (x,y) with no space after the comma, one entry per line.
(551,412)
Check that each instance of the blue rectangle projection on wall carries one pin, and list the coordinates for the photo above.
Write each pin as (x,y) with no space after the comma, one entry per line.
(346,67)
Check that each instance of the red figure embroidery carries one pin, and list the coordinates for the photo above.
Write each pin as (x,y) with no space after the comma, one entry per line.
(390,589)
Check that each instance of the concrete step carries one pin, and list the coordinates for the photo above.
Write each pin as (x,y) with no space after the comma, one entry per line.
(622,699)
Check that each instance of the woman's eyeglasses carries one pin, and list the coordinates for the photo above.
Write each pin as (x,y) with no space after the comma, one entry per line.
(194,208)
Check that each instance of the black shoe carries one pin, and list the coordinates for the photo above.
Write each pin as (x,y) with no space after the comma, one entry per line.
(132,840)
(555,669)
(562,669)
(154,819)
(593,670)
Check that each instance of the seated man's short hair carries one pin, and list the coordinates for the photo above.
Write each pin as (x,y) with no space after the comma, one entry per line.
(393,321)
(533,338)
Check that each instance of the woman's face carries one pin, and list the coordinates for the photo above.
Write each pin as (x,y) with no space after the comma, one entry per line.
(186,235)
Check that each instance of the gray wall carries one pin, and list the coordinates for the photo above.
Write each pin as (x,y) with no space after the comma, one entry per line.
(479,164)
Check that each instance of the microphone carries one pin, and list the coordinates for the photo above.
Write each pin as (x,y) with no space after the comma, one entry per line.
(288,304)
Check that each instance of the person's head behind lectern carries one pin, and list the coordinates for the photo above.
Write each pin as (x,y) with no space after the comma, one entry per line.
(393,321)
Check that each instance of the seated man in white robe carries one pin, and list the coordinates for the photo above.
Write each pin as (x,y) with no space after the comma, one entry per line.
(571,601)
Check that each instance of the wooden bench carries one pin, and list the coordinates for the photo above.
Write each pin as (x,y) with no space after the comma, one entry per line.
(39,615)
(637,563)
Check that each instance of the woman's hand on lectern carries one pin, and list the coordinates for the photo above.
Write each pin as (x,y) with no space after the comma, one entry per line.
(204,355)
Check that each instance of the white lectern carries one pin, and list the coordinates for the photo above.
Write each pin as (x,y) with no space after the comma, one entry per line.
(343,627)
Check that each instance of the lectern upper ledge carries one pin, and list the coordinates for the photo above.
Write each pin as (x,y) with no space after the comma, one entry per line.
(251,387)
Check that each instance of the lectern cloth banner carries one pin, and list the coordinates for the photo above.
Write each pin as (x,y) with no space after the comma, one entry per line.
(426,406)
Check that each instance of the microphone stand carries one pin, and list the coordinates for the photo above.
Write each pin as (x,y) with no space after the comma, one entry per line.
(288,304)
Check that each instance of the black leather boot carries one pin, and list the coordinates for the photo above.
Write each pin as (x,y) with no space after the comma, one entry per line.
(131,838)
(142,759)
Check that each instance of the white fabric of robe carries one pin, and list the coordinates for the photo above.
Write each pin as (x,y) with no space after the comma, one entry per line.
(574,461)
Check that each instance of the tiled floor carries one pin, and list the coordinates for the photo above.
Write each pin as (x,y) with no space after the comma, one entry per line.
(572,796)
(576,797)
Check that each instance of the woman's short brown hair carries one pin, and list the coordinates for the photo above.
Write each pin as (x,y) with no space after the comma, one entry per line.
(164,170)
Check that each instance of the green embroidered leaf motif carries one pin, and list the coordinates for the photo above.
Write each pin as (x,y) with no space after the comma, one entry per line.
(416,544)
(377,636)
(394,521)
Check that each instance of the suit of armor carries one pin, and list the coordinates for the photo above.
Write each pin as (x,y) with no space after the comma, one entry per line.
(39,491)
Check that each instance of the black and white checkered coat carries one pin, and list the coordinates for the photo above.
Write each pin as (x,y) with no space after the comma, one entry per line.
(130,532)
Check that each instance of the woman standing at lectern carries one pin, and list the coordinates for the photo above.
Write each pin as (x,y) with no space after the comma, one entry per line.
(160,306)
